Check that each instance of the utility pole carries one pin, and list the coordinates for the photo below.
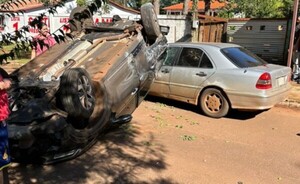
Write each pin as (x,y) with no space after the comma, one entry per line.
(295,15)
(195,30)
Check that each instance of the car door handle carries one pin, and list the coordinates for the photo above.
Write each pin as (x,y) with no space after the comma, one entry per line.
(201,74)
(134,91)
(165,70)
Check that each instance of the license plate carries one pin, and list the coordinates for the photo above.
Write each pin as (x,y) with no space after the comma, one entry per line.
(281,81)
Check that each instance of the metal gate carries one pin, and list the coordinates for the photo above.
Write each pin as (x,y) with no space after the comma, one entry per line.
(264,37)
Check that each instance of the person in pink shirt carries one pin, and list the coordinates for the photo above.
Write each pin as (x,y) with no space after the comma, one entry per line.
(43,40)
(5,84)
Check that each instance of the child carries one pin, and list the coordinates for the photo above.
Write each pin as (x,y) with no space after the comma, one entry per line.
(5,84)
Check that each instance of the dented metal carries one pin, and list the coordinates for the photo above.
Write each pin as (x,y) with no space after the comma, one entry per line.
(120,65)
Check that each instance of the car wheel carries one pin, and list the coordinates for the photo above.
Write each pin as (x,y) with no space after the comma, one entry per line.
(79,19)
(77,93)
(213,103)
(150,22)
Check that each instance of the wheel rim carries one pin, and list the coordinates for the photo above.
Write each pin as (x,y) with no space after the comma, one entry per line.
(85,93)
(213,103)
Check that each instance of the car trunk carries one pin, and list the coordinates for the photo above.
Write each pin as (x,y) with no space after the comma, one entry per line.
(279,75)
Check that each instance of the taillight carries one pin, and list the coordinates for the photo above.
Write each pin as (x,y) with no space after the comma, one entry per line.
(264,81)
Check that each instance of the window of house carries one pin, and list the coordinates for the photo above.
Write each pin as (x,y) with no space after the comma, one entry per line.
(249,28)
(262,28)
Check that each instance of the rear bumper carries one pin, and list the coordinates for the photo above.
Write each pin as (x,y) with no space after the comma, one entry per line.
(258,101)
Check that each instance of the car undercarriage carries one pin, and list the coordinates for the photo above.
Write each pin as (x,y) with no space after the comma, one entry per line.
(63,99)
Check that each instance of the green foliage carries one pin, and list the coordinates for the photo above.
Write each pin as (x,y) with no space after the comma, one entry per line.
(258,8)
(164,3)
(188,137)
(81,2)
(19,39)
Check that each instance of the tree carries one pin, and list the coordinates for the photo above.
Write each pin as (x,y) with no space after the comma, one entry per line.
(19,37)
(164,3)
(81,2)
(259,8)
(207,4)
(185,7)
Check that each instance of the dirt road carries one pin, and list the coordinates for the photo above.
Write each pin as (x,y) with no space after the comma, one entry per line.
(171,143)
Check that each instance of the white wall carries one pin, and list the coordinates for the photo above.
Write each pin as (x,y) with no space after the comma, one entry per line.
(179,25)
(53,21)
(60,18)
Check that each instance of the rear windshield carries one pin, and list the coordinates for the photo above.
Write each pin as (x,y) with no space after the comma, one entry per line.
(242,57)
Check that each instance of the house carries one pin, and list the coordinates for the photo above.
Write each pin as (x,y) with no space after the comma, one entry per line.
(177,9)
(33,8)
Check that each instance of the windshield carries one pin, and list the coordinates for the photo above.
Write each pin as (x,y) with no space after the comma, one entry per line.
(242,57)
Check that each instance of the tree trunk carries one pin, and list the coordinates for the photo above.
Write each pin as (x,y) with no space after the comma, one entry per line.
(185,7)
(207,6)
(195,9)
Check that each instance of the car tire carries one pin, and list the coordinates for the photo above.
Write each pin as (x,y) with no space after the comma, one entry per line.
(214,103)
(150,21)
(79,19)
(76,93)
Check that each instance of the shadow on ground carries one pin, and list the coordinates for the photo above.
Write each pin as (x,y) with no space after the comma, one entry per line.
(117,157)
(233,114)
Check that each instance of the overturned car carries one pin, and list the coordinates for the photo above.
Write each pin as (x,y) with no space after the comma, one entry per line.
(64,98)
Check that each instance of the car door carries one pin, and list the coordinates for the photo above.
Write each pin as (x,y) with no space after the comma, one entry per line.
(161,87)
(190,71)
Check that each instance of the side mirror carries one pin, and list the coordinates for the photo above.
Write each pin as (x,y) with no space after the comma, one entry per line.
(164,29)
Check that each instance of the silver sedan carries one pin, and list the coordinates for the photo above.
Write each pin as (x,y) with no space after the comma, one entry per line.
(220,76)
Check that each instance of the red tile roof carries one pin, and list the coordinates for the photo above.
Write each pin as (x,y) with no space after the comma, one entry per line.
(22,6)
(213,5)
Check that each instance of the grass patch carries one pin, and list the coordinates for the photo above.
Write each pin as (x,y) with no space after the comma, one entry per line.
(188,137)
(21,55)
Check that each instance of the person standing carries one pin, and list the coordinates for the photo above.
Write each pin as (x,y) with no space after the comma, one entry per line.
(43,40)
(5,84)
(296,54)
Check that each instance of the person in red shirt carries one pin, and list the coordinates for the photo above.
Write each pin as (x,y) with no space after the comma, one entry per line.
(5,84)
(43,40)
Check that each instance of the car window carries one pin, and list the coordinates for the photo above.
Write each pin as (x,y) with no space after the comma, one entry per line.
(169,56)
(242,57)
(190,57)
(205,62)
